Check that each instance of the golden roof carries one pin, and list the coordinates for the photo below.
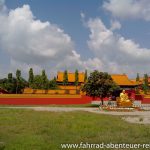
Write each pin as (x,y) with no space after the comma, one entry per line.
(119,79)
(71,77)
(122,79)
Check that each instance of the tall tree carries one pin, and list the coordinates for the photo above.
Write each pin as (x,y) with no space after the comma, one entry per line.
(37,82)
(31,77)
(18,79)
(10,84)
(76,78)
(10,77)
(137,80)
(18,74)
(137,77)
(85,76)
(44,80)
(20,82)
(99,84)
(53,84)
(145,84)
(65,78)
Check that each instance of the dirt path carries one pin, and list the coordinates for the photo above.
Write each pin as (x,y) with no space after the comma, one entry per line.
(142,117)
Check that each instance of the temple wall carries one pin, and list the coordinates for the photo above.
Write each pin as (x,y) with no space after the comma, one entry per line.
(71,91)
(69,87)
(43,99)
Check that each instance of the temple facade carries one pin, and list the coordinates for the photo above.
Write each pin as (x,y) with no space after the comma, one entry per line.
(71,78)
(124,82)
(120,79)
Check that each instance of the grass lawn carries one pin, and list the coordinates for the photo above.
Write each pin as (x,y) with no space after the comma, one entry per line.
(31,130)
(53,105)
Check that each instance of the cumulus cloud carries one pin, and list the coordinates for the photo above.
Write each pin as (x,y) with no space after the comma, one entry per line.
(116,53)
(32,43)
(93,64)
(29,42)
(41,45)
(28,39)
(115,25)
(135,9)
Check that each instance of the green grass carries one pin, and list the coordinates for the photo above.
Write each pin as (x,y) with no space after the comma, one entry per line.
(31,130)
(54,105)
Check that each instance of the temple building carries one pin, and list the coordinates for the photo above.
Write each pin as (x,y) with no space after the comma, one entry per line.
(120,79)
(71,78)
(123,81)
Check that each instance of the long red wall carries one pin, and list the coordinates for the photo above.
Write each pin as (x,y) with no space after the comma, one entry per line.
(45,101)
(58,100)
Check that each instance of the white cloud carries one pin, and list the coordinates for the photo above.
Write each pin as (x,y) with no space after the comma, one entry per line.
(93,64)
(30,40)
(115,25)
(40,45)
(32,43)
(116,53)
(134,9)
(82,15)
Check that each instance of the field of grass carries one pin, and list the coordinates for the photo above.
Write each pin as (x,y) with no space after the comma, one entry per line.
(31,130)
(54,105)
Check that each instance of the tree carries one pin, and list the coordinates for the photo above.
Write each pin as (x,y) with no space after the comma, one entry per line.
(31,77)
(18,74)
(65,78)
(137,77)
(55,79)
(20,82)
(18,77)
(145,84)
(10,77)
(137,80)
(44,80)
(99,84)
(37,82)
(76,78)
(85,76)
(10,84)
(53,84)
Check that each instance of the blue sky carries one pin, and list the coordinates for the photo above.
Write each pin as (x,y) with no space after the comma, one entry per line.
(66,14)
(95,34)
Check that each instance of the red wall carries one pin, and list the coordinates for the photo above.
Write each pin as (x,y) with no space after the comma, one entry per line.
(59,101)
(144,100)
(45,101)
(131,93)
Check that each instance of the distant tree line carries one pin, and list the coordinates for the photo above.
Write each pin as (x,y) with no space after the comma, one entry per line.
(16,84)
